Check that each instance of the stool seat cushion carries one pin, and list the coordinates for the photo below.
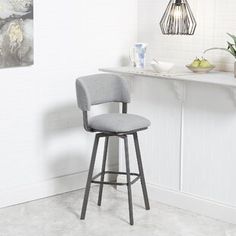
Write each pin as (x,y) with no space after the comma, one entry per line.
(118,122)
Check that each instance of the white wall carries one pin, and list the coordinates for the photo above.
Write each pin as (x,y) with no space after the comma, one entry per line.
(189,151)
(44,149)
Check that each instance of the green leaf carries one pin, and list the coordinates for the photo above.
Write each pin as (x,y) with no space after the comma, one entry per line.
(231,49)
(233,37)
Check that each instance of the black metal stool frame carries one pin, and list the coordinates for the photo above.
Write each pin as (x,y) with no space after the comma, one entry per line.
(92,179)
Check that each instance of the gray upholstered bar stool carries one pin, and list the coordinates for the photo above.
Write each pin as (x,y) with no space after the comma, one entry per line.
(104,88)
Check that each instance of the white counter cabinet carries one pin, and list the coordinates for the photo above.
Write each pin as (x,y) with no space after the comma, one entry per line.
(189,152)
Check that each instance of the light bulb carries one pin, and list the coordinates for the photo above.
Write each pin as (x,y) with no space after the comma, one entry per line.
(177,13)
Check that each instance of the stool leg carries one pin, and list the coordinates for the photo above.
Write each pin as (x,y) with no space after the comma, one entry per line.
(128,181)
(90,176)
(103,170)
(140,166)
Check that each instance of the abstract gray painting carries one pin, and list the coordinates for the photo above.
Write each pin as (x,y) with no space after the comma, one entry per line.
(16,33)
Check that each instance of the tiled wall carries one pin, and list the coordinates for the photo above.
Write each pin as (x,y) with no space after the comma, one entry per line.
(214,17)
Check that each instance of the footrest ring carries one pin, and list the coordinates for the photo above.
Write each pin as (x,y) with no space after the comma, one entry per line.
(114,173)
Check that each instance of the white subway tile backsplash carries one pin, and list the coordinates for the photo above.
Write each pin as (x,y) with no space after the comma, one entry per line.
(214,18)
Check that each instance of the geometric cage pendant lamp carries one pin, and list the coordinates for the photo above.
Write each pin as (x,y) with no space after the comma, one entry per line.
(178,19)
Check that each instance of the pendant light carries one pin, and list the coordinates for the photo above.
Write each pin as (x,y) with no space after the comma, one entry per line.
(178,19)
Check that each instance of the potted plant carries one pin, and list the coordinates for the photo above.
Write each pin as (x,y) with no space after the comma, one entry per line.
(231,48)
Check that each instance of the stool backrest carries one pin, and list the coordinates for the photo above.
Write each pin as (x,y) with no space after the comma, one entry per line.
(100,88)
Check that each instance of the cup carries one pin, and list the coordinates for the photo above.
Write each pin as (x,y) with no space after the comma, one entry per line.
(138,55)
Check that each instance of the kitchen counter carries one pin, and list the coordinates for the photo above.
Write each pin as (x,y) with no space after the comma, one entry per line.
(219,78)
(225,79)
(189,151)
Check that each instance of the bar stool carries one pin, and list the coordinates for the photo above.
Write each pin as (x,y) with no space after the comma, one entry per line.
(105,88)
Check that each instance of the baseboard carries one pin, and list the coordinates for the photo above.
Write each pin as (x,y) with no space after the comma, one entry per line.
(189,202)
(193,203)
(43,189)
(47,188)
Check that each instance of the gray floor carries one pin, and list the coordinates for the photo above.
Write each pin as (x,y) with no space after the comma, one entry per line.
(59,216)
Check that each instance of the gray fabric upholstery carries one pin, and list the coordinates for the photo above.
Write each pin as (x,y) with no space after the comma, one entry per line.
(116,122)
(100,88)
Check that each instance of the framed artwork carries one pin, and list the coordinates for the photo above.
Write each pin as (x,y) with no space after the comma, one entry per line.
(16,33)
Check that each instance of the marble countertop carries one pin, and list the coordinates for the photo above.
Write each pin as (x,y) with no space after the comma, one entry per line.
(219,78)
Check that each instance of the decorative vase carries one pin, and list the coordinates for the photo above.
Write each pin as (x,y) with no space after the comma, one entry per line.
(235,69)
(138,55)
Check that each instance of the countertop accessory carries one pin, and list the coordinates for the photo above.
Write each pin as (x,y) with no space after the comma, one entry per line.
(161,66)
(199,69)
(138,55)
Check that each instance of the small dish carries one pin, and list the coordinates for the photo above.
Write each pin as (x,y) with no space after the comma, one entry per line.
(200,69)
(161,66)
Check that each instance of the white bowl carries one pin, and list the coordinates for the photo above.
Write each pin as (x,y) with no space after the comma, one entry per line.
(161,66)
